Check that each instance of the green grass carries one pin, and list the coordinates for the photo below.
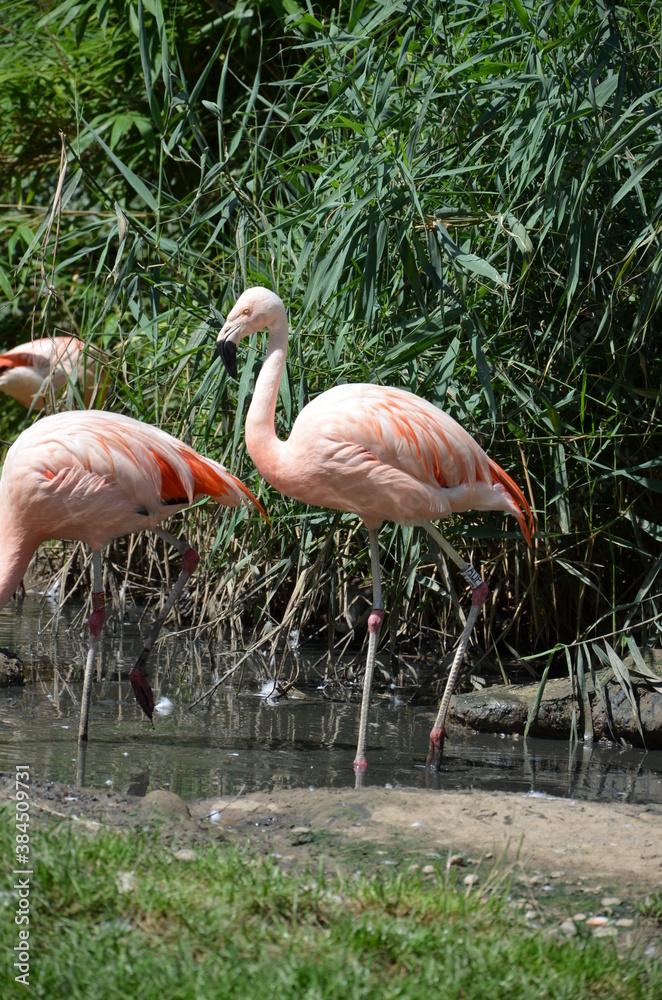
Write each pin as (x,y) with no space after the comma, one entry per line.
(652,907)
(234,926)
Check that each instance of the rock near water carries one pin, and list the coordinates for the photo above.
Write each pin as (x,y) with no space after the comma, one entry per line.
(502,709)
(11,669)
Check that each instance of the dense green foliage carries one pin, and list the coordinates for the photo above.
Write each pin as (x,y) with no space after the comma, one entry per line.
(114,915)
(462,199)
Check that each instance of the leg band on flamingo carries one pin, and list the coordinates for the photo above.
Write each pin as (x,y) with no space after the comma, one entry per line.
(472,577)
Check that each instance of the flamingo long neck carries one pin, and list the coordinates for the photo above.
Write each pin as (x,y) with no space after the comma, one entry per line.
(264,447)
(16,551)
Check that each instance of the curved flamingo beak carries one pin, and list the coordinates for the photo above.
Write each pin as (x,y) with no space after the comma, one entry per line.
(227,352)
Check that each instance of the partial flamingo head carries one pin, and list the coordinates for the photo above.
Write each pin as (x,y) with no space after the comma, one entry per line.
(255,309)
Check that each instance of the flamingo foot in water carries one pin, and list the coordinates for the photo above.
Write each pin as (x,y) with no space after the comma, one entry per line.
(436,748)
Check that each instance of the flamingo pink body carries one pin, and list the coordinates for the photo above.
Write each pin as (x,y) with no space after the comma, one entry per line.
(91,476)
(24,369)
(382,453)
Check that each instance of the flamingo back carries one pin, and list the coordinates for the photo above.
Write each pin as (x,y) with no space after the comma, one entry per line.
(387,454)
(91,475)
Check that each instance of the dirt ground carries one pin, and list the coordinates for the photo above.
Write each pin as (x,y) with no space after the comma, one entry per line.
(616,846)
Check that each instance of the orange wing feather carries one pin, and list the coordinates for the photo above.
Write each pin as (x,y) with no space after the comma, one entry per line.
(172,490)
(526,519)
(11,360)
(209,481)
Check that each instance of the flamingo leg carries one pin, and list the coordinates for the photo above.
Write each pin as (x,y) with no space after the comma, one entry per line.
(375,620)
(138,676)
(96,621)
(479,593)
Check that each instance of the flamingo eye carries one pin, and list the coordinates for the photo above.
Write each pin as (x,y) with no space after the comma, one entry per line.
(246,311)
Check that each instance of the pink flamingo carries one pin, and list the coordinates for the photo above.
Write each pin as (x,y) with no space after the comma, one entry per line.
(381,453)
(27,370)
(90,476)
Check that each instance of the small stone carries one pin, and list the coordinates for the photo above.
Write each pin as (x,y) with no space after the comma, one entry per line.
(471,879)
(611,901)
(625,922)
(165,804)
(428,870)
(301,835)
(185,854)
(413,868)
(597,921)
(558,874)
(537,880)
(125,881)
(600,932)
(455,861)
(579,918)
(530,914)
(568,928)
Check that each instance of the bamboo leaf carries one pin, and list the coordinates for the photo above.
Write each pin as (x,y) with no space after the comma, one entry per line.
(132,179)
(467,261)
(623,677)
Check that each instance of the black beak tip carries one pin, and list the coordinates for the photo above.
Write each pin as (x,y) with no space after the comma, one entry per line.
(227,352)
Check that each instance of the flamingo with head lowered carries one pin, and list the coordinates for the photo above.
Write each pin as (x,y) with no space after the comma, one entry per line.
(384,454)
(91,476)
(27,370)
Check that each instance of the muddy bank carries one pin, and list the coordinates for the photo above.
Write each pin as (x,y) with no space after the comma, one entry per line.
(614,845)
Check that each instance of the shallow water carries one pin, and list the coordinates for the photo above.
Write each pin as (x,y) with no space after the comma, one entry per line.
(239,741)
